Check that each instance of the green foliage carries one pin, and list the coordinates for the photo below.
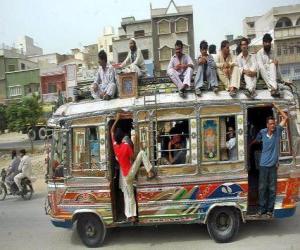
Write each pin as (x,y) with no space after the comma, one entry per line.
(3,120)
(24,113)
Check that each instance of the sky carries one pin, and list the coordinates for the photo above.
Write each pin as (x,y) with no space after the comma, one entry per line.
(60,25)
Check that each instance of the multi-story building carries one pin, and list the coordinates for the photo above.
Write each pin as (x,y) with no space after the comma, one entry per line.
(168,25)
(26,46)
(89,55)
(48,61)
(105,42)
(284,24)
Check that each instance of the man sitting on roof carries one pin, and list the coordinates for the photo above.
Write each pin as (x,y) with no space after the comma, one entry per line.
(227,69)
(134,61)
(181,65)
(206,70)
(268,65)
(248,67)
(104,86)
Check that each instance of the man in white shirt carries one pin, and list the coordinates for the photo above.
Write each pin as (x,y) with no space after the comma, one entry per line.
(248,68)
(268,65)
(231,145)
(134,61)
(24,167)
(104,86)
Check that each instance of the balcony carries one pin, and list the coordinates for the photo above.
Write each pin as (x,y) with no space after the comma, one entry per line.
(287,32)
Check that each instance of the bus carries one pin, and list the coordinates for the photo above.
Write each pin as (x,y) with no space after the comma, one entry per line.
(205,186)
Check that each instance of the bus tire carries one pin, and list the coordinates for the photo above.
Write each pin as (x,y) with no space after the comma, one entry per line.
(223,224)
(42,133)
(32,134)
(91,230)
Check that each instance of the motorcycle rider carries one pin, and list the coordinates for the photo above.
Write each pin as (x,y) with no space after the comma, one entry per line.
(24,168)
(12,169)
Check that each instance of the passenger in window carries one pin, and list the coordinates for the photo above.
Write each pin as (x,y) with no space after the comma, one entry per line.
(180,69)
(227,69)
(104,86)
(248,68)
(124,155)
(177,150)
(206,71)
(270,139)
(231,145)
(134,61)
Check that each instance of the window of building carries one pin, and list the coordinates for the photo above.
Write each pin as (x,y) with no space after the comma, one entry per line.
(139,33)
(278,51)
(164,27)
(11,67)
(292,50)
(145,53)
(52,88)
(173,142)
(15,91)
(219,142)
(251,24)
(283,22)
(122,56)
(28,89)
(186,49)
(181,25)
(298,49)
(110,48)
(165,53)
(86,148)
(285,50)
(23,66)
(298,21)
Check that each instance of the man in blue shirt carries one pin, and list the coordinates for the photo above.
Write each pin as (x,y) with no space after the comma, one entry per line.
(270,139)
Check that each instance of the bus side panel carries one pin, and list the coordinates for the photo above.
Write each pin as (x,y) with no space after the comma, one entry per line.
(187,203)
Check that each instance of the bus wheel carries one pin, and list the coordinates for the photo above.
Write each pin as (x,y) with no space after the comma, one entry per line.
(91,230)
(223,224)
(42,133)
(32,134)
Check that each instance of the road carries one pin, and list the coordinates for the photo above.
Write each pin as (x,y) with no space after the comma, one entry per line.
(19,144)
(23,225)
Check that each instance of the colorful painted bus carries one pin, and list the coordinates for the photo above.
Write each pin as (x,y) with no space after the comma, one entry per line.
(206,186)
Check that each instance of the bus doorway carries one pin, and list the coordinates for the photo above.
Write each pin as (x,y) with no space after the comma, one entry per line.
(117,197)
(256,121)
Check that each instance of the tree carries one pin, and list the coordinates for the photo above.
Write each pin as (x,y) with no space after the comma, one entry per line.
(24,114)
(3,123)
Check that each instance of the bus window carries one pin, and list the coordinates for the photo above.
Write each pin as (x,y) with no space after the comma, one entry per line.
(86,148)
(173,142)
(218,139)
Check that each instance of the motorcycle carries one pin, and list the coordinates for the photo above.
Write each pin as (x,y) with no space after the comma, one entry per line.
(27,189)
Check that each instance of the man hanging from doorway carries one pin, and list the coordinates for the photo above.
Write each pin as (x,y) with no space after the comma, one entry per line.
(124,155)
(270,138)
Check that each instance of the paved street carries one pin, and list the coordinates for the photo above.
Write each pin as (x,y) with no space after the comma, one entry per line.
(23,225)
(19,144)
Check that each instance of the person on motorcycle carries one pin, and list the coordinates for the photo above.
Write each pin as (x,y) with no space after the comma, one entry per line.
(12,169)
(24,168)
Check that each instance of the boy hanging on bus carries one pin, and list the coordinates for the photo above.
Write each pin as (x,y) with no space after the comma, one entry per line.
(124,155)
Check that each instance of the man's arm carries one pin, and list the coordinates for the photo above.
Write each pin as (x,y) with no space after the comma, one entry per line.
(126,61)
(112,130)
(284,115)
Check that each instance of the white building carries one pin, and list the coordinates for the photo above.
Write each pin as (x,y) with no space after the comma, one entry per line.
(105,42)
(26,46)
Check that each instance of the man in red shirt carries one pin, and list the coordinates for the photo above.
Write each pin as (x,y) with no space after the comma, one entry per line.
(124,155)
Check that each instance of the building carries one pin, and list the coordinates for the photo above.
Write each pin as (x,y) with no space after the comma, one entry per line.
(53,81)
(105,42)
(22,83)
(283,23)
(26,46)
(89,55)
(141,30)
(168,25)
(48,61)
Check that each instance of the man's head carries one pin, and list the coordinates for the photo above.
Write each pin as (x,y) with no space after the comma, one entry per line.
(132,44)
(267,41)
(178,47)
(225,48)
(212,49)
(22,152)
(203,48)
(270,124)
(119,135)
(231,132)
(13,154)
(244,42)
(102,58)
